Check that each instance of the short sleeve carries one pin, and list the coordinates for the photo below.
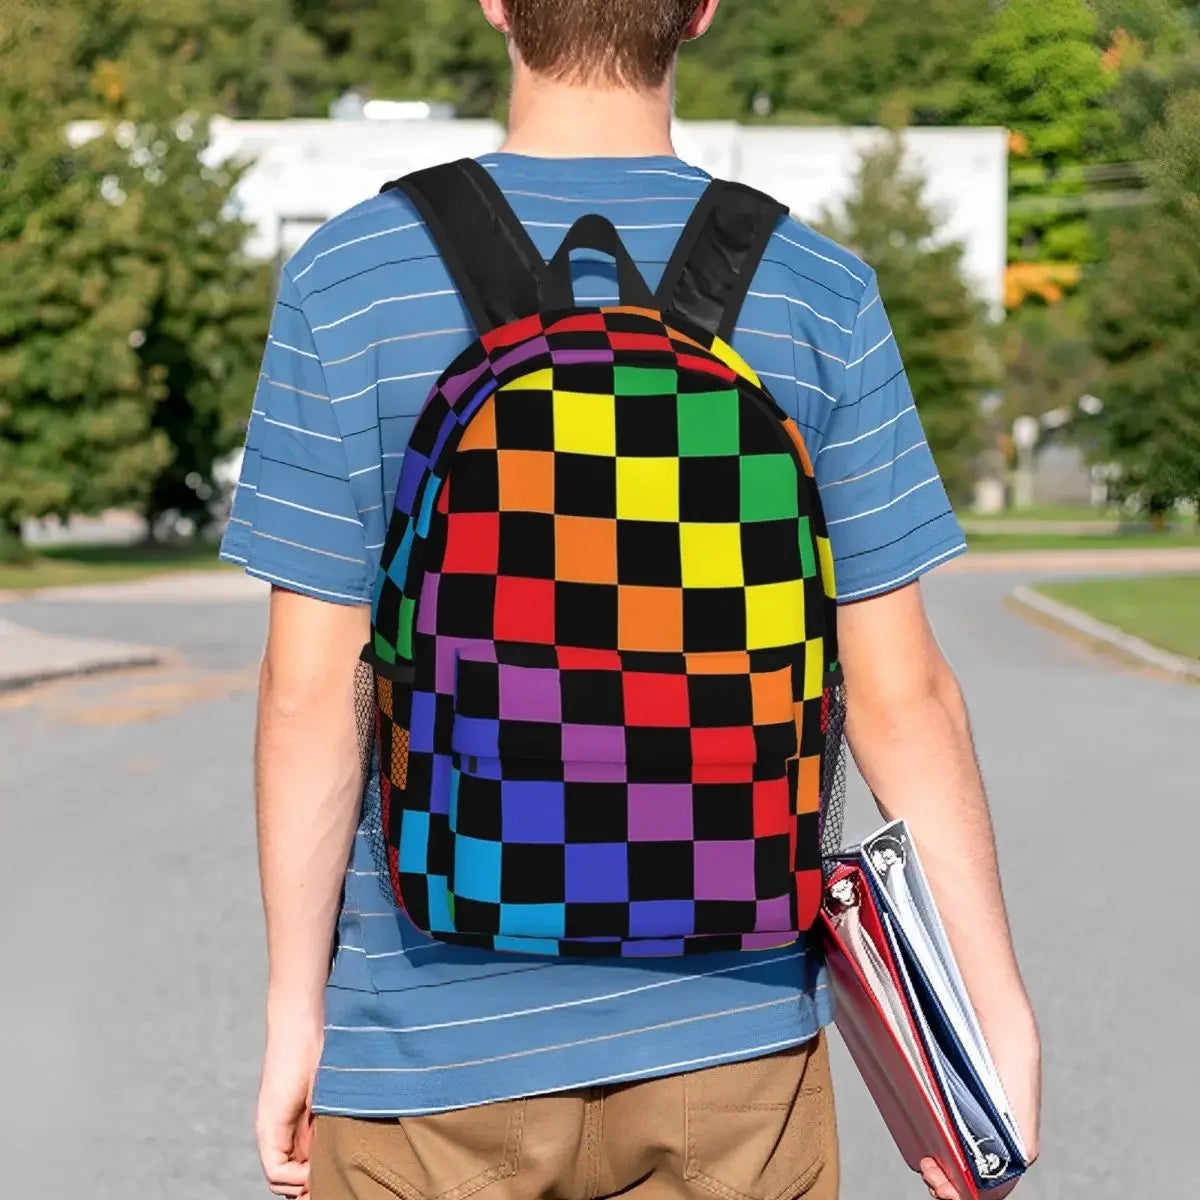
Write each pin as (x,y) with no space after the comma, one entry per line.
(889,518)
(294,521)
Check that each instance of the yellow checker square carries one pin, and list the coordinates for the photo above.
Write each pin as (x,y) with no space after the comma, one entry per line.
(712,556)
(535,381)
(825,550)
(648,489)
(585,423)
(775,614)
(814,668)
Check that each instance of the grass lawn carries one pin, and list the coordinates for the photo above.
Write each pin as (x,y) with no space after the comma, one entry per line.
(1161,609)
(1081,541)
(1047,512)
(61,566)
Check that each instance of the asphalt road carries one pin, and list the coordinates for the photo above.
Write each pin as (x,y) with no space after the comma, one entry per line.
(132,955)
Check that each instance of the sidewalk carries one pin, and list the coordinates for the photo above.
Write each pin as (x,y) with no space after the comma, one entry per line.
(28,657)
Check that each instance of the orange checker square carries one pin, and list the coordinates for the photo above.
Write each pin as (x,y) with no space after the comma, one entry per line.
(585,549)
(526,480)
(480,433)
(650,618)
(772,692)
(719,662)
(808,786)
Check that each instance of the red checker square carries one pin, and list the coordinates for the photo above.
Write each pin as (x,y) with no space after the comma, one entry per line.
(575,658)
(722,772)
(524,610)
(640,341)
(734,744)
(583,323)
(656,700)
(472,544)
(707,366)
(512,333)
(772,808)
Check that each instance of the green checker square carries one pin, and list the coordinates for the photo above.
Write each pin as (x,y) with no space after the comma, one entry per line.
(404,636)
(709,424)
(770,488)
(383,651)
(645,381)
(808,549)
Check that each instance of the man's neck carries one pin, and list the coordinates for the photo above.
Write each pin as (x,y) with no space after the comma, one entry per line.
(548,119)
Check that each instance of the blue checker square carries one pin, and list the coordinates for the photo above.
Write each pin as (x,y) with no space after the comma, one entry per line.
(477,869)
(439,793)
(534,921)
(534,812)
(441,919)
(422,723)
(397,569)
(597,873)
(661,918)
(414,842)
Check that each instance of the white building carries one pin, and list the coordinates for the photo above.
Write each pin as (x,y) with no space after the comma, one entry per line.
(304,172)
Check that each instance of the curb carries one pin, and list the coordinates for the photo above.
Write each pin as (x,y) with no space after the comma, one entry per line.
(47,657)
(1079,622)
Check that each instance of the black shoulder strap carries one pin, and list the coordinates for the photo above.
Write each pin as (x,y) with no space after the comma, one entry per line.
(486,249)
(706,281)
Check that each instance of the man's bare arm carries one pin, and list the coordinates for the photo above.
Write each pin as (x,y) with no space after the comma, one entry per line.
(309,787)
(908,729)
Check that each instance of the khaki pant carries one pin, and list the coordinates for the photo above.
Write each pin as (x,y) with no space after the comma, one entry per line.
(758,1130)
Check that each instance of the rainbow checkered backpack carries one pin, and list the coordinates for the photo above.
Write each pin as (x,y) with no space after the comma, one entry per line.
(608,710)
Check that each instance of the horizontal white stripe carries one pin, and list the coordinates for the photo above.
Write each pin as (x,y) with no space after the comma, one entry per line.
(812,387)
(603,199)
(233,558)
(671,1068)
(287,387)
(619,228)
(294,349)
(250,487)
(364,874)
(400,337)
(546,1008)
(304,587)
(316,512)
(800,304)
(270,537)
(870,432)
(672,174)
(870,512)
(325,437)
(882,342)
(823,257)
(376,546)
(354,242)
(787,337)
(863,311)
(905,578)
(365,471)
(373,508)
(386,379)
(362,312)
(560,1046)
(238,521)
(874,470)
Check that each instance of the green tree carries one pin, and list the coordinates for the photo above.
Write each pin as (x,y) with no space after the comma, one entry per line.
(1144,325)
(941,326)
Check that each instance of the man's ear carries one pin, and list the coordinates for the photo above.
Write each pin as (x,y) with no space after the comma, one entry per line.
(700,23)
(496,13)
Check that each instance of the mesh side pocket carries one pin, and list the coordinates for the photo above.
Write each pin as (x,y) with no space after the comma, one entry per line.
(833,769)
(364,715)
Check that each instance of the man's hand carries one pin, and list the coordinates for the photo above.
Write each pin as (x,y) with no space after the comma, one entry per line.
(283,1123)
(908,729)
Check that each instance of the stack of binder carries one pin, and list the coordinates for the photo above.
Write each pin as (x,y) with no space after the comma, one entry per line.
(905,1016)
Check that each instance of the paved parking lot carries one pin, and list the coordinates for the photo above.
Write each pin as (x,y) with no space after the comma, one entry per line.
(130,1008)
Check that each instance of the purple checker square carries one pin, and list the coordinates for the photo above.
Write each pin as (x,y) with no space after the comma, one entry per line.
(769,941)
(593,743)
(421,725)
(597,873)
(574,357)
(439,792)
(533,812)
(660,812)
(456,385)
(724,870)
(522,353)
(447,652)
(773,914)
(530,694)
(594,772)
(427,603)
(661,918)
(653,948)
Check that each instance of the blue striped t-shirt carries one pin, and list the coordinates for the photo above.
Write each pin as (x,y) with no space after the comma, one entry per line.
(367,319)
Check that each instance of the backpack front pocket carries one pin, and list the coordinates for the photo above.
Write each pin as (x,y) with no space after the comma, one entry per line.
(602,798)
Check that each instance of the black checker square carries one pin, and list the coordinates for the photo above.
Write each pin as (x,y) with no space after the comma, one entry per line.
(656,748)
(387,611)
(720,701)
(771,552)
(585,485)
(649,554)
(812,735)
(596,812)
(479,809)
(474,481)
(586,615)
(593,698)
(647,426)
(532,874)
(476,916)
(710,490)
(439,857)
(527,545)
(429,426)
(714,619)
(773,865)
(443,730)
(597,920)
(414,893)
(538,745)
(808,842)
(661,871)
(593,378)
(477,688)
(723,812)
(759,430)
(725,916)
(419,789)
(524,419)
(466,606)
